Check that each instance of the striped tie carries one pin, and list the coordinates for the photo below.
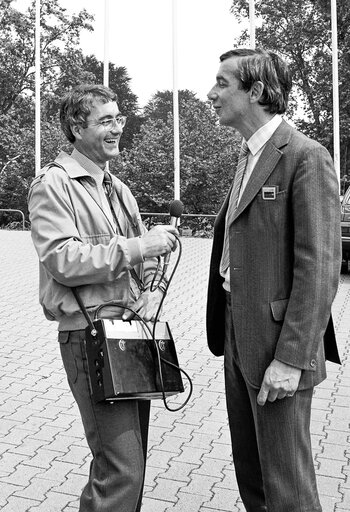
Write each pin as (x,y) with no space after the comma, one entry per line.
(107,184)
(233,203)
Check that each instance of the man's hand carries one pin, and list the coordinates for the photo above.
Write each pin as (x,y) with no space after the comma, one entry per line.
(159,241)
(280,380)
(146,306)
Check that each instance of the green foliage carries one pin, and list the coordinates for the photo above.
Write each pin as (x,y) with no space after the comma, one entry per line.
(208,154)
(300,31)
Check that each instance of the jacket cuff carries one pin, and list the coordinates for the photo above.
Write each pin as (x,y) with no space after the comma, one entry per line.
(134,251)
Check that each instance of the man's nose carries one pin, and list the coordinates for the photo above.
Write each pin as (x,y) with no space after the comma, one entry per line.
(212,94)
(117,127)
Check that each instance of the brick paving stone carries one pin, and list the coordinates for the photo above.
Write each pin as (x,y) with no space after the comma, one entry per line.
(165,490)
(74,454)
(229,481)
(9,461)
(191,455)
(37,487)
(15,436)
(221,451)
(58,471)
(187,502)
(202,441)
(223,500)
(73,485)
(330,467)
(337,436)
(335,452)
(192,418)
(158,459)
(152,473)
(7,490)
(4,447)
(155,505)
(201,484)
(179,471)
(317,427)
(17,504)
(54,502)
(21,474)
(171,444)
(329,486)
(182,430)
(6,425)
(61,443)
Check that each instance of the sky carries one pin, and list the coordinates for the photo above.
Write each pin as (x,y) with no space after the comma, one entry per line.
(140,34)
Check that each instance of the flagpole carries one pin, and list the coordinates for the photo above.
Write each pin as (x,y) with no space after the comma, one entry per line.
(106,46)
(252,23)
(37,89)
(336,135)
(106,54)
(176,105)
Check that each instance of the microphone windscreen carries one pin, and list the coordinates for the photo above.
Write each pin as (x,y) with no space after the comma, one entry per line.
(176,208)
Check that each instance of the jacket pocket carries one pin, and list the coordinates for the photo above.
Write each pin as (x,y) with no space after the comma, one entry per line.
(63,336)
(278,309)
(67,354)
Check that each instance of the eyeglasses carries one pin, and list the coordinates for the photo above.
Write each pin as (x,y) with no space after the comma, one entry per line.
(109,124)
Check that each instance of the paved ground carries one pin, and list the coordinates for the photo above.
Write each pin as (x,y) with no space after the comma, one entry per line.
(44,457)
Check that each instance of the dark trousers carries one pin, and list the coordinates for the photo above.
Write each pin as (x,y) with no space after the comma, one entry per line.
(117,436)
(271,444)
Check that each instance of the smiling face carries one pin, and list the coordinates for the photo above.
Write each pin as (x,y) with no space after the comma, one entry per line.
(228,98)
(93,140)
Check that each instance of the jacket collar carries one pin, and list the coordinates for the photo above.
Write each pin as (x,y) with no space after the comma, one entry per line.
(72,167)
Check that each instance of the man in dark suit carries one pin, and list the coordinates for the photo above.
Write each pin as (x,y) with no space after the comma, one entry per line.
(273,277)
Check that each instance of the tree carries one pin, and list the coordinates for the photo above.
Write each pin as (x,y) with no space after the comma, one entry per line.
(161,104)
(207,157)
(63,65)
(300,31)
(17,56)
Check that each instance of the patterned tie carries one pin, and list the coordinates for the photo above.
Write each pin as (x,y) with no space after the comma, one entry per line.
(107,184)
(233,203)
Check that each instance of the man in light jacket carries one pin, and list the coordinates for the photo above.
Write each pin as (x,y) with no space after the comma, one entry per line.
(87,231)
(273,277)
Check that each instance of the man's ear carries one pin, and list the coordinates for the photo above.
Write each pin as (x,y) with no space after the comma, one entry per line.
(256,91)
(76,129)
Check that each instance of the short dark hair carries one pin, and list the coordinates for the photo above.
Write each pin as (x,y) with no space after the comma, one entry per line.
(266,67)
(76,105)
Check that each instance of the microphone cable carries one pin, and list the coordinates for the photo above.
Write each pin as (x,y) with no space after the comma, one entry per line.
(160,358)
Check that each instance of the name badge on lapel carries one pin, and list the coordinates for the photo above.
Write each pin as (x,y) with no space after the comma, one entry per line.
(269,193)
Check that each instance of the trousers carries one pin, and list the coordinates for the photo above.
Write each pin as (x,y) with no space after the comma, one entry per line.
(116,433)
(271,444)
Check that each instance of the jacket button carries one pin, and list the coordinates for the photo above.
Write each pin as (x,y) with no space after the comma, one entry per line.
(312,363)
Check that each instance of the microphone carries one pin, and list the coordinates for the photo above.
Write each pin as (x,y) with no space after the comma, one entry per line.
(175,210)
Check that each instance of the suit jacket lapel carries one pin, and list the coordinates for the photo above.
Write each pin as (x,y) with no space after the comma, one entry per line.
(264,166)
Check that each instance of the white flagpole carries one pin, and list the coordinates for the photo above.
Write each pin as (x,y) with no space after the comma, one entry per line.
(106,46)
(252,23)
(336,136)
(37,88)
(106,54)
(176,107)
